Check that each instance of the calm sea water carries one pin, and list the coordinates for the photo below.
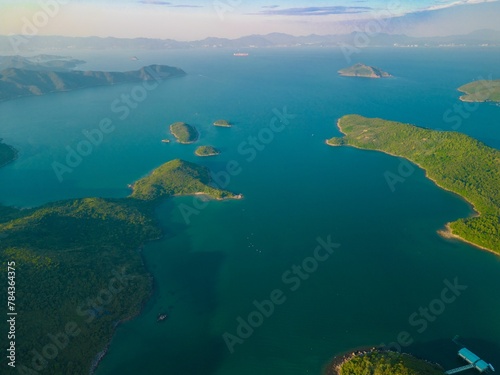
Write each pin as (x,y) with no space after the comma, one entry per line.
(210,270)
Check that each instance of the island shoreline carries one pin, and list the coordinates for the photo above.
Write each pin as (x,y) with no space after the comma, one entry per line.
(184,142)
(446,233)
(333,366)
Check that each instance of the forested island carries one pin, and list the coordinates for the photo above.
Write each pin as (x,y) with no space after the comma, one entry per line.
(184,133)
(362,70)
(206,151)
(177,177)
(7,154)
(382,363)
(481,91)
(82,272)
(222,123)
(453,160)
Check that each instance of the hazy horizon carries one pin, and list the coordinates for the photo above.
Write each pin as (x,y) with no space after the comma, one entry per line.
(196,20)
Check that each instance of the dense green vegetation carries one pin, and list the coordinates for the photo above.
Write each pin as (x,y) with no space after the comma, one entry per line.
(387,363)
(68,256)
(223,123)
(206,151)
(362,70)
(481,91)
(7,154)
(79,266)
(183,132)
(177,177)
(455,161)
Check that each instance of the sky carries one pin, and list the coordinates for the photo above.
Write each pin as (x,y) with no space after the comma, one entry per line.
(198,19)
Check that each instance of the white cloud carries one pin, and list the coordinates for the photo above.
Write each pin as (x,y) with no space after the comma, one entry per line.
(456,3)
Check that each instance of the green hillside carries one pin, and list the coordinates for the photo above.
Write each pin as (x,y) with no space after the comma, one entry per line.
(387,363)
(481,91)
(177,177)
(80,272)
(455,161)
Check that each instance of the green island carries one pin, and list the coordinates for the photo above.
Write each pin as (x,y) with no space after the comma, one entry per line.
(177,177)
(7,154)
(82,271)
(454,161)
(481,91)
(362,70)
(382,363)
(206,151)
(184,133)
(222,123)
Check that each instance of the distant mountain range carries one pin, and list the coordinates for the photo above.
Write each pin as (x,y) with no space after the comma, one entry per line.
(27,79)
(39,43)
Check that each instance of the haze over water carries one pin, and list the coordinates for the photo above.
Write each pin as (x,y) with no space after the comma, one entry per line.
(390,260)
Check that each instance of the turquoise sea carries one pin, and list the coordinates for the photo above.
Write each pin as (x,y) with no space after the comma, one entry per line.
(210,269)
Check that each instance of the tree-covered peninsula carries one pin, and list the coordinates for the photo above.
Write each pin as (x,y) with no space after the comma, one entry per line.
(382,363)
(184,133)
(456,162)
(481,91)
(80,269)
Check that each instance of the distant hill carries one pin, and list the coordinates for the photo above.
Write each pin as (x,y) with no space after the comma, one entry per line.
(7,153)
(362,70)
(15,82)
(39,62)
(40,43)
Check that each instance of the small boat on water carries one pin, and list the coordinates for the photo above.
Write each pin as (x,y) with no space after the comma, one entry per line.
(162,317)
(240,54)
